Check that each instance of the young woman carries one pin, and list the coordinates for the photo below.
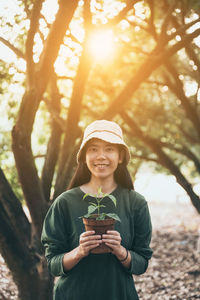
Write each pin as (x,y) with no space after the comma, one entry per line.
(102,162)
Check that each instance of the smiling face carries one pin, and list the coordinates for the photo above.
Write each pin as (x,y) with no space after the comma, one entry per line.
(102,158)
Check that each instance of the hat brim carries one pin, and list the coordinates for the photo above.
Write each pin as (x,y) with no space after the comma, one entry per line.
(107,137)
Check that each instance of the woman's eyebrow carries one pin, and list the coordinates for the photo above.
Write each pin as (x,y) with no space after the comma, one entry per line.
(96,145)
(93,145)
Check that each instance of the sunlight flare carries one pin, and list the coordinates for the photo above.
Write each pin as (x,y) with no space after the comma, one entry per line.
(101,45)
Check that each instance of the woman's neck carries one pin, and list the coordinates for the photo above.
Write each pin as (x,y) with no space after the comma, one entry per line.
(107,186)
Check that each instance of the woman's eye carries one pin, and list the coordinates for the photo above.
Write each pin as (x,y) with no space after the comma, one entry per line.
(109,149)
(92,149)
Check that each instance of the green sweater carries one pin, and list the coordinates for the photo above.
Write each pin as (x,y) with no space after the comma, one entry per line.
(97,276)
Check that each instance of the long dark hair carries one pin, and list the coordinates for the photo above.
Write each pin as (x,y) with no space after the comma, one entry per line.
(82,174)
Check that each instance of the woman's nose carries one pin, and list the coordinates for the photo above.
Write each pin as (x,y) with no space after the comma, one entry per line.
(101,153)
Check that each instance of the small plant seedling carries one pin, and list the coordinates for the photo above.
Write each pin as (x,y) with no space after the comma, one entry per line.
(94,207)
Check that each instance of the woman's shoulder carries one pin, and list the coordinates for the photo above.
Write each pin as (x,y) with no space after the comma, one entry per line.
(137,200)
(68,196)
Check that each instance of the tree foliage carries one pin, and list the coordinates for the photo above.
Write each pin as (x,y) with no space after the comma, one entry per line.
(52,87)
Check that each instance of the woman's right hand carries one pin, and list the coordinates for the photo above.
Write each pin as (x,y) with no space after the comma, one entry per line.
(88,241)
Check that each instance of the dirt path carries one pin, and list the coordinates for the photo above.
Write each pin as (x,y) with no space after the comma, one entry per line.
(174,270)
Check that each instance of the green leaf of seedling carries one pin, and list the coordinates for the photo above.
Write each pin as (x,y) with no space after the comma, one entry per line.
(91,209)
(113,199)
(92,203)
(86,195)
(113,216)
(105,195)
(96,206)
(102,216)
(87,216)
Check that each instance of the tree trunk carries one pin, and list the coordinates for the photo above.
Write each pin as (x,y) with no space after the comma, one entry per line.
(26,262)
(28,267)
(27,171)
(53,144)
(37,83)
(72,129)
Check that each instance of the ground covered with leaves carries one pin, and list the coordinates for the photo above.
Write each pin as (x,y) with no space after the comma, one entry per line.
(174,270)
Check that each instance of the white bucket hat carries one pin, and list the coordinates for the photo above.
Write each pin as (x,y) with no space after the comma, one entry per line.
(107,131)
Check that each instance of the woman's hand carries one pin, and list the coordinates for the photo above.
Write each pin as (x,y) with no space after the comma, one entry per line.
(88,241)
(113,239)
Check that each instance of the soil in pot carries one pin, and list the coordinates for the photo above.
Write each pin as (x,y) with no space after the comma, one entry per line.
(100,227)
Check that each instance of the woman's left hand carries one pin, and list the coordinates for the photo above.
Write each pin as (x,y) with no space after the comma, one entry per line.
(113,239)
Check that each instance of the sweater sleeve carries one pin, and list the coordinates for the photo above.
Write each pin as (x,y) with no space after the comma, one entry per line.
(54,238)
(140,250)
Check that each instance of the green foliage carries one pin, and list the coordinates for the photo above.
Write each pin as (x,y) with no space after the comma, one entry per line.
(156,109)
(96,206)
(5,77)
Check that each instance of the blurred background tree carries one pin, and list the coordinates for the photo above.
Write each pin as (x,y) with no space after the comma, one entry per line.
(67,63)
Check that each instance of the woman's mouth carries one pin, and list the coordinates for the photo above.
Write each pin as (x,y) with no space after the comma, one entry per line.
(101,166)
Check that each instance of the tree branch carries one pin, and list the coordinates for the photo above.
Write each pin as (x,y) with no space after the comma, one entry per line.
(193,56)
(26,8)
(166,21)
(122,13)
(65,78)
(18,52)
(178,90)
(55,38)
(184,150)
(191,139)
(55,114)
(34,23)
(145,28)
(164,159)
(151,63)
(181,30)
(152,28)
